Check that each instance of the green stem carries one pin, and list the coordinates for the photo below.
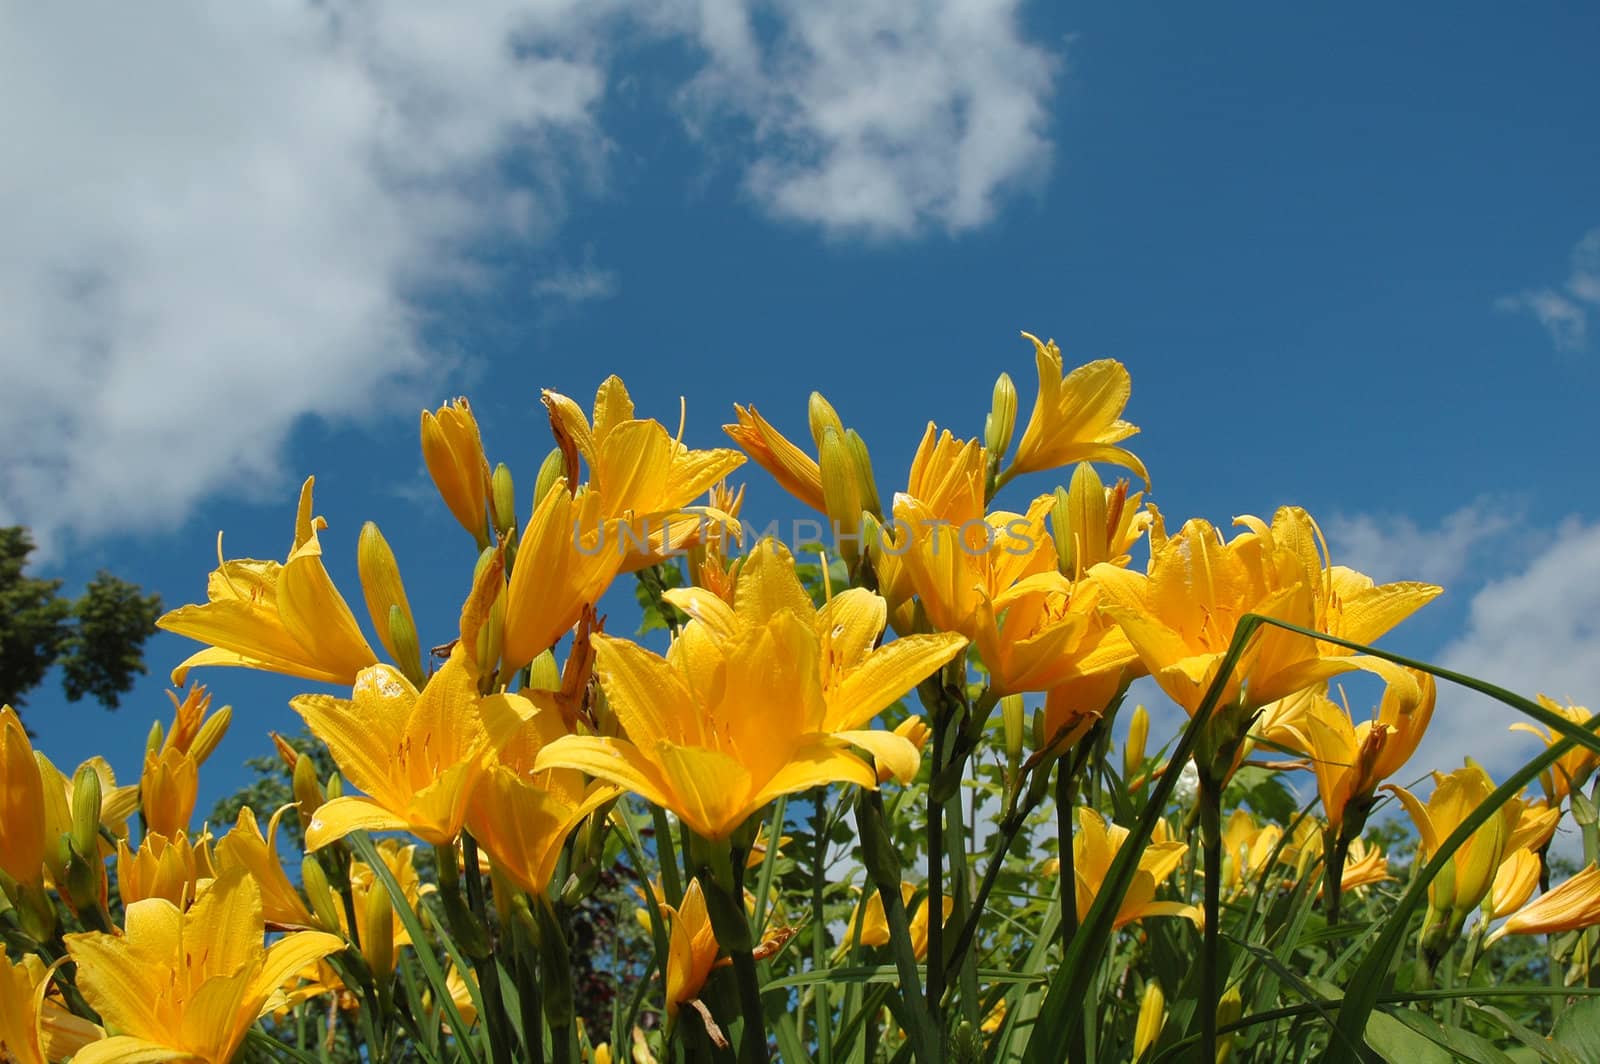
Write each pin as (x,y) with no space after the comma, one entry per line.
(666,857)
(935,987)
(1210,959)
(496,1021)
(819,925)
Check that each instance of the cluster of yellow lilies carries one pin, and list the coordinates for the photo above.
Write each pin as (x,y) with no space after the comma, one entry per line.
(515,749)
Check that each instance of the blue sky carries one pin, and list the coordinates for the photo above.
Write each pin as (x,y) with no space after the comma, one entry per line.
(1352,260)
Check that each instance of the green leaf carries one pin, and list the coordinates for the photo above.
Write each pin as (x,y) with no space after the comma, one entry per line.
(1397,1043)
(1578,1029)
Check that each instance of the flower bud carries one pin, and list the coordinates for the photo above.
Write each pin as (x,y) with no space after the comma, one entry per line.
(842,494)
(86,812)
(552,469)
(153,741)
(307,791)
(453,450)
(1138,737)
(211,733)
(1228,1011)
(1002,420)
(335,786)
(544,674)
(286,751)
(1078,522)
(823,417)
(319,894)
(377,930)
(407,650)
(1152,1016)
(384,591)
(1013,717)
(867,483)
(502,500)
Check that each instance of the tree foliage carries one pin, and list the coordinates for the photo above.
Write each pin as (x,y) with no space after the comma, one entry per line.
(97,639)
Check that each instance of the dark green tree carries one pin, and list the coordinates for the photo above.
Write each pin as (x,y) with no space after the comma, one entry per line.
(97,639)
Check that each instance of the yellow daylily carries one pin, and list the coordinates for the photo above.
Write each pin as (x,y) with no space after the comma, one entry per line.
(285,618)
(1351,760)
(170,868)
(520,817)
(1573,768)
(752,700)
(35,1029)
(794,470)
(22,828)
(1247,849)
(416,755)
(875,922)
(993,576)
(1466,879)
(1094,847)
(1514,883)
(452,448)
(1077,416)
(692,952)
(1181,615)
(246,847)
(1573,905)
(168,1000)
(171,776)
(646,479)
(1364,865)
(566,558)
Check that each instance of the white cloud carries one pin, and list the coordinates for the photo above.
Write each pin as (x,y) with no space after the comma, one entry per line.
(223,219)
(878,117)
(1564,312)
(1391,547)
(1534,631)
(217,220)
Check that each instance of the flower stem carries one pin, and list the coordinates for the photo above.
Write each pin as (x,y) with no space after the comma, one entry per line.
(1210,958)
(488,973)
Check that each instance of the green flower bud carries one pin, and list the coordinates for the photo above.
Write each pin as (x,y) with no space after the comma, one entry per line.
(1002,419)
(822,417)
(86,801)
(319,894)
(552,469)
(502,500)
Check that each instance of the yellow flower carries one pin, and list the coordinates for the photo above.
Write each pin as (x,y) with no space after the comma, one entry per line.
(1350,760)
(566,559)
(875,922)
(753,700)
(35,1029)
(1094,847)
(1152,1017)
(1458,889)
(245,847)
(993,577)
(22,830)
(415,755)
(1514,883)
(1573,905)
(172,869)
(1181,615)
(285,618)
(1573,768)
(794,470)
(646,479)
(380,933)
(167,999)
(1364,865)
(519,817)
(692,952)
(1247,849)
(453,450)
(171,777)
(1077,417)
